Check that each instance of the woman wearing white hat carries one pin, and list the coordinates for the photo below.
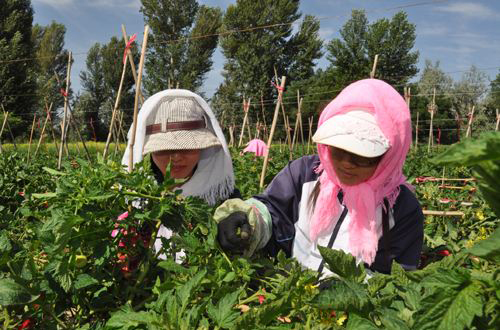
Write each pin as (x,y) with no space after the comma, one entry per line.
(352,196)
(177,127)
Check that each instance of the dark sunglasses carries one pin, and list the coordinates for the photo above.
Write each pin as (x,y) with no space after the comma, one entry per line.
(359,161)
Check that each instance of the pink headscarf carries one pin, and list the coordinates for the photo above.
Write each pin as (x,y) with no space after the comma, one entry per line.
(393,118)
(258,147)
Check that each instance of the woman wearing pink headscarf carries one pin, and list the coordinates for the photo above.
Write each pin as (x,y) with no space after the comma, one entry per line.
(352,196)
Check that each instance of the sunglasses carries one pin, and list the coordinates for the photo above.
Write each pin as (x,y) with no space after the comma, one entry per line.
(359,161)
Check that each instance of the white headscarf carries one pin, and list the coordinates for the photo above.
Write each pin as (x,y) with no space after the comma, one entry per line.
(213,179)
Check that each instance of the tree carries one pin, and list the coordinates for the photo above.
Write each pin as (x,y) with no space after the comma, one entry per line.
(182,41)
(392,40)
(253,55)
(16,84)
(100,82)
(446,119)
(51,61)
(471,91)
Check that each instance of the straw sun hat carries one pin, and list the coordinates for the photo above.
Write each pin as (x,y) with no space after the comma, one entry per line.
(178,123)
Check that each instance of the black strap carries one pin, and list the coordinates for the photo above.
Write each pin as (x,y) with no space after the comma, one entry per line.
(386,239)
(333,237)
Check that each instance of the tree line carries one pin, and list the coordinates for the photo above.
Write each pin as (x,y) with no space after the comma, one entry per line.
(260,40)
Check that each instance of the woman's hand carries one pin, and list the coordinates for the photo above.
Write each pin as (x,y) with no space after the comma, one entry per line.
(234,232)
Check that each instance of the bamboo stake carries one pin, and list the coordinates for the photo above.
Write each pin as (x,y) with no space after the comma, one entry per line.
(407,93)
(431,110)
(43,131)
(248,121)
(290,146)
(443,213)
(31,136)
(72,122)
(297,120)
(273,127)
(12,135)
(498,120)
(469,125)
(51,126)
(131,61)
(5,115)
(115,109)
(231,135)
(63,132)
(120,127)
(416,133)
(264,134)
(136,101)
(374,68)
(245,110)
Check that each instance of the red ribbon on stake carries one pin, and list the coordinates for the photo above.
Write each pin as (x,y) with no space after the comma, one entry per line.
(63,92)
(127,47)
(278,87)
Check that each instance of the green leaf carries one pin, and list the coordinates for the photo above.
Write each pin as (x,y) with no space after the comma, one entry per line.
(229,277)
(84,280)
(391,320)
(12,293)
(224,314)
(343,264)
(450,309)
(447,278)
(343,295)
(53,172)
(5,245)
(489,248)
(357,322)
(172,266)
(127,318)
(44,195)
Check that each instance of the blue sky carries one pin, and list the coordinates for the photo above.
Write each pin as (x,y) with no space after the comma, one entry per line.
(457,33)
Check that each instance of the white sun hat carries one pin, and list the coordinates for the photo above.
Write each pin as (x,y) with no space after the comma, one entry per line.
(355,131)
(177,123)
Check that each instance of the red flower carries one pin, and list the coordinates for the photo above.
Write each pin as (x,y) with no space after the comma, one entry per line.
(27,324)
(444,253)
(261,299)
(21,193)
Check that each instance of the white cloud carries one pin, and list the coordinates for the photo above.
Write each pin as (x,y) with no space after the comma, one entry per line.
(470,9)
(432,30)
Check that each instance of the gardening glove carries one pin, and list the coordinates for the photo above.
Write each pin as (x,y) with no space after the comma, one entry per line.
(234,232)
(243,226)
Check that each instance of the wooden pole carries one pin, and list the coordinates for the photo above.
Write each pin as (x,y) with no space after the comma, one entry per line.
(115,109)
(290,146)
(63,132)
(374,67)
(309,139)
(469,125)
(443,213)
(498,120)
(43,131)
(136,101)
(72,122)
(12,134)
(245,110)
(431,110)
(31,136)
(51,126)
(416,132)
(5,115)
(248,121)
(271,133)
(231,135)
(131,61)
(407,93)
